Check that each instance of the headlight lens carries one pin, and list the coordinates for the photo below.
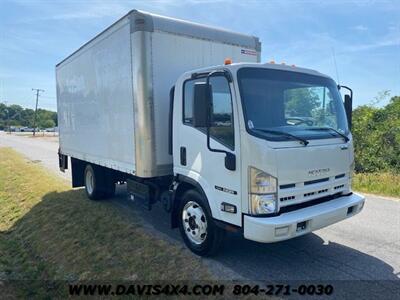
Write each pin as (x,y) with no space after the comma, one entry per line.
(262,196)
(351,174)
(263,204)
(261,182)
(352,168)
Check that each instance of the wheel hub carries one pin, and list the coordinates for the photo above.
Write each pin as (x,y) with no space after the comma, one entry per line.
(194,222)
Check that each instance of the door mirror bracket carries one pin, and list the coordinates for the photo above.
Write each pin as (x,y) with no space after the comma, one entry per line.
(230,161)
(202,107)
(348,104)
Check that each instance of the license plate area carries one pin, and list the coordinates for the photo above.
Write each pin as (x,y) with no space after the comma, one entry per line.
(351,210)
(301,226)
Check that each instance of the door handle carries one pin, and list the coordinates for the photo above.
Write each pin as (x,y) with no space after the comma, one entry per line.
(183,156)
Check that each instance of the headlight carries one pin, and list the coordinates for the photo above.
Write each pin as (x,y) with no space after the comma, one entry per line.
(263,204)
(351,175)
(262,196)
(261,182)
(352,168)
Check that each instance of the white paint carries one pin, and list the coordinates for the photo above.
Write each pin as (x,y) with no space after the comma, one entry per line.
(96,91)
(104,90)
(95,107)
(317,216)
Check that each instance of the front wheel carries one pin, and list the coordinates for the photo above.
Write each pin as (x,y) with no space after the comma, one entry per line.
(198,229)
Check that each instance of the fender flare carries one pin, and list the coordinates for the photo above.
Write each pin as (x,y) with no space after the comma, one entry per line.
(179,181)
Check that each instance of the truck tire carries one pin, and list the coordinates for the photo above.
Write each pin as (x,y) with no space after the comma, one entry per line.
(198,229)
(96,185)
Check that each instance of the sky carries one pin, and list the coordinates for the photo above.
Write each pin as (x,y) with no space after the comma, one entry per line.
(363,37)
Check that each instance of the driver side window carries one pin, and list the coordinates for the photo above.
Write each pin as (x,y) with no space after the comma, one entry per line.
(222,126)
(222,113)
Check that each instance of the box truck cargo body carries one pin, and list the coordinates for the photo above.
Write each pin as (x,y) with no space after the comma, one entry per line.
(156,103)
(113,93)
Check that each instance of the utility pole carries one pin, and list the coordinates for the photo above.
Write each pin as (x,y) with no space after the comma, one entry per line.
(8,118)
(37,100)
(8,121)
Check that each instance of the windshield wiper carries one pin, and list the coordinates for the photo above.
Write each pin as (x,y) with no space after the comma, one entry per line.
(302,141)
(346,139)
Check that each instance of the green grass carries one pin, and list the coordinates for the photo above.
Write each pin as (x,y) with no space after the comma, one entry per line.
(385,184)
(50,232)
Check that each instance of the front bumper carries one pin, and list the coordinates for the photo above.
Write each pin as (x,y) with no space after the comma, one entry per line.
(302,221)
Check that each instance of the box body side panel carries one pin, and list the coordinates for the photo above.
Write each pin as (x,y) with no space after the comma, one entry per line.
(113,93)
(172,55)
(95,101)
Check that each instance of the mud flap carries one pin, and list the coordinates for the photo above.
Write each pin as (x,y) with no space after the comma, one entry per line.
(62,161)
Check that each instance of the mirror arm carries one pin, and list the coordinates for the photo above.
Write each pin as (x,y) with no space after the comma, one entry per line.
(209,143)
(230,160)
(348,105)
(213,73)
(347,88)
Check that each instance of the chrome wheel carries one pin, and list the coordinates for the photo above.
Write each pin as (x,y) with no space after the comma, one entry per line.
(194,222)
(89,180)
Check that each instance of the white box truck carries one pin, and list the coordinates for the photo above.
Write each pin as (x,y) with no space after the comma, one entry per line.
(262,149)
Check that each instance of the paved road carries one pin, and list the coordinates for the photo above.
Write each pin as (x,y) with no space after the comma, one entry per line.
(39,149)
(366,247)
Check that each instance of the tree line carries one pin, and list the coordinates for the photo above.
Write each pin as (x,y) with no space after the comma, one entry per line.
(376,133)
(376,130)
(17,116)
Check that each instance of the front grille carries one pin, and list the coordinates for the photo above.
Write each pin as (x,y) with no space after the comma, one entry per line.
(308,203)
(287,186)
(296,193)
(287,198)
(314,193)
(316,181)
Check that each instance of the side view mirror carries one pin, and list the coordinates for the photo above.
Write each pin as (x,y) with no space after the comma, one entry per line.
(201,104)
(202,112)
(230,161)
(348,103)
(348,106)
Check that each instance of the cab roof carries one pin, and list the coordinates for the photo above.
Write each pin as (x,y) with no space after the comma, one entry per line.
(235,66)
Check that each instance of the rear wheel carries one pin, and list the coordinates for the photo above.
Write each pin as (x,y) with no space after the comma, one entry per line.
(198,229)
(96,184)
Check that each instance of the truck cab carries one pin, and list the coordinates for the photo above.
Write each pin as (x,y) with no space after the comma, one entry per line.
(263,149)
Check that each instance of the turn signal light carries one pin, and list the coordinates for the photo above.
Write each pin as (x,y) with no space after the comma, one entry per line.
(230,208)
(227,61)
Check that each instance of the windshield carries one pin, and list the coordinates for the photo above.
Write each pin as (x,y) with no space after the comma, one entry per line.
(302,105)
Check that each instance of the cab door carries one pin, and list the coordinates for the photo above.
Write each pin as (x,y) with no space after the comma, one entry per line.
(193,159)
